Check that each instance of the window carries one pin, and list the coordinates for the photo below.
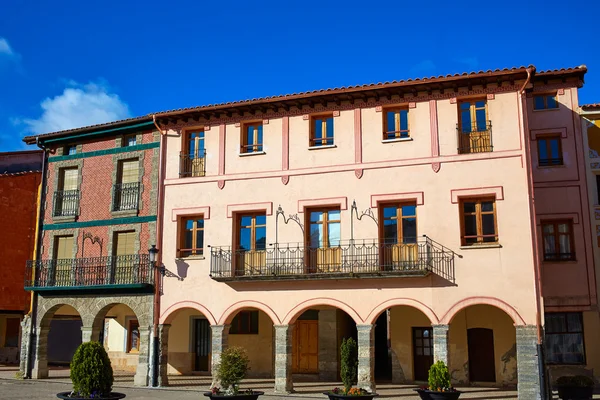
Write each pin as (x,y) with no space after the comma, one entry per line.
(124,265)
(395,123)
(63,261)
(558,241)
(127,189)
(252,232)
(549,151)
(63,247)
(252,137)
(66,198)
(129,141)
(124,243)
(193,155)
(324,231)
(564,338)
(70,150)
(478,217)
(133,336)
(399,223)
(545,102)
(12,332)
(245,323)
(191,239)
(321,131)
(474,129)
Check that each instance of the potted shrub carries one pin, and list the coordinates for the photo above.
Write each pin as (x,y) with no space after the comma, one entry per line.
(349,373)
(229,372)
(92,374)
(439,387)
(578,387)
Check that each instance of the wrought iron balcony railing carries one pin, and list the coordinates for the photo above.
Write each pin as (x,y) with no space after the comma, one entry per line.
(349,259)
(66,203)
(192,164)
(126,196)
(88,272)
(475,137)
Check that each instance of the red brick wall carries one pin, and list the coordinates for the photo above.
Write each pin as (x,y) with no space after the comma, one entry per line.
(18,207)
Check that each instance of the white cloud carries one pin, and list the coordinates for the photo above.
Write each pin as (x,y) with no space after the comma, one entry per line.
(5,47)
(78,105)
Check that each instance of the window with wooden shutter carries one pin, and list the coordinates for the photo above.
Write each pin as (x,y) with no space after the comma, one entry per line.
(63,260)
(63,247)
(130,171)
(68,179)
(125,243)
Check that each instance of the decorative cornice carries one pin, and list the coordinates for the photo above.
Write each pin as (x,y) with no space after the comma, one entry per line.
(115,150)
(103,222)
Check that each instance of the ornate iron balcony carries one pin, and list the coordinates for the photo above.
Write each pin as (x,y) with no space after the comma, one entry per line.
(116,271)
(475,138)
(66,203)
(193,164)
(365,258)
(126,196)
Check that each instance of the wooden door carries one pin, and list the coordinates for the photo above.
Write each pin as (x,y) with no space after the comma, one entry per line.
(305,347)
(201,344)
(422,352)
(481,355)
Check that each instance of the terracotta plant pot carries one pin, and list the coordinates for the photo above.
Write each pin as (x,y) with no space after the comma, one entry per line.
(433,395)
(112,396)
(575,392)
(333,396)
(240,396)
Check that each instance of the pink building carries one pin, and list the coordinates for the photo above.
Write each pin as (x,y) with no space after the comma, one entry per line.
(439,218)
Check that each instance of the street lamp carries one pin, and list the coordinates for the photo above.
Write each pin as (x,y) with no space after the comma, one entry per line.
(153,251)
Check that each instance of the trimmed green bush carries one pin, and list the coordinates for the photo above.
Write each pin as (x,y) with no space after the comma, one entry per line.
(349,361)
(439,377)
(576,380)
(232,368)
(91,371)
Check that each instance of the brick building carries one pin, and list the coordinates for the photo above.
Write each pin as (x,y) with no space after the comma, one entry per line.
(20,176)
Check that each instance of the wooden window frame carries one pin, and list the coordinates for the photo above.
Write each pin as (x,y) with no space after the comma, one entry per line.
(321,142)
(246,148)
(67,149)
(253,226)
(582,333)
(473,112)
(547,138)
(326,221)
(125,140)
(55,245)
(195,250)
(187,133)
(478,213)
(398,123)
(557,235)
(545,97)
(129,348)
(399,217)
(241,329)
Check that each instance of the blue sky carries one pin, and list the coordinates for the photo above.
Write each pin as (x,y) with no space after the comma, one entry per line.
(65,64)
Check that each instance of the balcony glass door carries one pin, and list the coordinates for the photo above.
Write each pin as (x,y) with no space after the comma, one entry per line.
(67,195)
(126,268)
(323,247)
(251,244)
(63,261)
(474,133)
(399,248)
(195,148)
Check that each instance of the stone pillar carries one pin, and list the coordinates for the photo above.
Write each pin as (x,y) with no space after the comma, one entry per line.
(283,359)
(141,373)
(440,344)
(328,345)
(40,347)
(366,357)
(163,355)
(25,334)
(89,333)
(528,374)
(220,336)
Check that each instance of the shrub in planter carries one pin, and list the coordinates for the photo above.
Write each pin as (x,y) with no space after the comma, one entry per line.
(577,387)
(91,373)
(230,372)
(349,373)
(439,387)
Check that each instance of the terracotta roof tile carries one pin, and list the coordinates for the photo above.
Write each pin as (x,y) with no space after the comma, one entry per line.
(593,106)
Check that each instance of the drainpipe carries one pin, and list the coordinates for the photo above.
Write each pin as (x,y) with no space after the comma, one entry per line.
(36,256)
(536,247)
(157,276)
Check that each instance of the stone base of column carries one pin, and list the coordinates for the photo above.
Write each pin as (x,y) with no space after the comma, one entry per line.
(440,344)
(220,336)
(163,355)
(283,359)
(141,373)
(528,373)
(366,357)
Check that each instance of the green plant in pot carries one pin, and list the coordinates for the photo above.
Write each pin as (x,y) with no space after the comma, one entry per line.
(439,386)
(230,371)
(349,374)
(577,387)
(92,374)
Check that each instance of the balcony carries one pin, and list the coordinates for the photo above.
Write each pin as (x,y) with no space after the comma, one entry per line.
(475,138)
(351,259)
(66,203)
(132,273)
(126,196)
(192,164)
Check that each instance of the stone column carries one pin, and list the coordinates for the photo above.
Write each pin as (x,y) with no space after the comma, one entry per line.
(40,347)
(440,344)
(528,375)
(328,346)
(366,357)
(25,334)
(141,373)
(89,333)
(220,336)
(283,359)
(163,355)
